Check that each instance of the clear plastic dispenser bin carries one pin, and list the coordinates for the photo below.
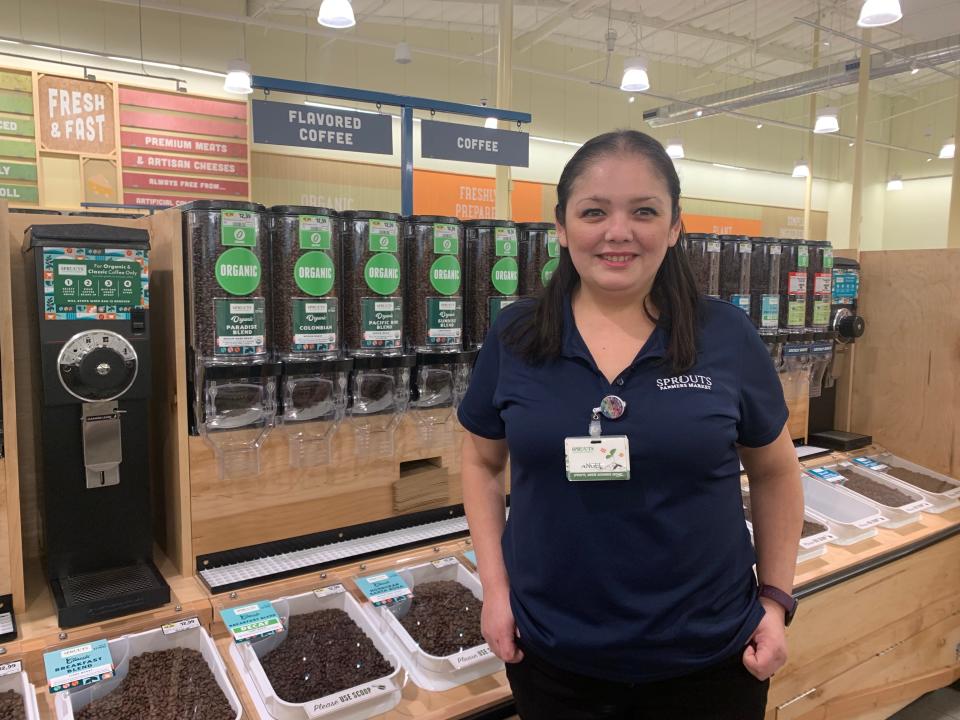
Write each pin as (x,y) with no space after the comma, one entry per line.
(314,402)
(18,683)
(851,518)
(941,491)
(123,649)
(235,409)
(350,703)
(821,355)
(438,383)
(434,672)
(379,396)
(795,373)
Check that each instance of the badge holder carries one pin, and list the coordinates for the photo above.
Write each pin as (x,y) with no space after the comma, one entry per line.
(597,457)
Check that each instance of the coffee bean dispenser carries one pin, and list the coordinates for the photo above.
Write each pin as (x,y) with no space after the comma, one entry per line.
(379,396)
(313,404)
(765,285)
(229,340)
(539,256)
(703,252)
(93,299)
(493,275)
(438,383)
(736,253)
(794,276)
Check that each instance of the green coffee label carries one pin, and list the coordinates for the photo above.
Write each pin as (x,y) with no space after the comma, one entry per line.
(769,311)
(238,271)
(553,246)
(796,313)
(314,273)
(446,239)
(240,326)
(314,325)
(383,236)
(506,242)
(445,275)
(828,259)
(444,320)
(505,276)
(238,227)
(316,232)
(821,312)
(382,273)
(497,304)
(549,268)
(380,323)
(803,256)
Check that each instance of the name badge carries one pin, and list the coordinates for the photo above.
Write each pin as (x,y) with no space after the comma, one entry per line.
(597,458)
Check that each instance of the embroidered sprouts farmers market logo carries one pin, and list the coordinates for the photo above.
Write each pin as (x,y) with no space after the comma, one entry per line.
(699,382)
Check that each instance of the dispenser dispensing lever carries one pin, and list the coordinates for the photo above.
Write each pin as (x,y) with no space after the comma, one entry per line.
(102,450)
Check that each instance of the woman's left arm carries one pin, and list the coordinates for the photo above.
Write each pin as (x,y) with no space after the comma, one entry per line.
(776,502)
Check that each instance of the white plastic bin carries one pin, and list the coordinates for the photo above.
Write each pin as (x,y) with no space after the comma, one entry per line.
(809,547)
(20,684)
(126,647)
(433,672)
(939,501)
(354,703)
(898,516)
(850,517)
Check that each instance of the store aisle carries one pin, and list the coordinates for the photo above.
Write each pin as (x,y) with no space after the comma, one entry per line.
(939,705)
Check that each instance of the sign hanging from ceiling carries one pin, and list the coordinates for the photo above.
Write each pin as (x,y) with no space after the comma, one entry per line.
(76,116)
(276,123)
(469,143)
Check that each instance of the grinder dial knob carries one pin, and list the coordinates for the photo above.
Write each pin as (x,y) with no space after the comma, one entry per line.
(97,365)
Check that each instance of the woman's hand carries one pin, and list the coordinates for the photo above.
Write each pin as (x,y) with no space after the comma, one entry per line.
(767,651)
(498,626)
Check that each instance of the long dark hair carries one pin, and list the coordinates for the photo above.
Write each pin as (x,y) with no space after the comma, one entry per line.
(537,335)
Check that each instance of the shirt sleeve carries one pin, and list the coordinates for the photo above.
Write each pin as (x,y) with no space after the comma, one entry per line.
(477,412)
(763,410)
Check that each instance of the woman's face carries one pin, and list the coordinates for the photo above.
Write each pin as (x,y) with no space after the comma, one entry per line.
(618,224)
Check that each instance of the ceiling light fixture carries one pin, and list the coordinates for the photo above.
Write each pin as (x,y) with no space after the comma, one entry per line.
(336,14)
(699,113)
(401,55)
(759,125)
(877,13)
(827,121)
(490,123)
(728,167)
(895,183)
(238,78)
(913,68)
(675,149)
(635,78)
(632,99)
(801,169)
(948,150)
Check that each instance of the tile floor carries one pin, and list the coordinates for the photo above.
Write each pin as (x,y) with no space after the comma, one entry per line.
(939,705)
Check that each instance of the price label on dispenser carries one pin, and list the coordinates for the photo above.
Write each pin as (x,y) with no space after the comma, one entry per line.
(252,621)
(77,666)
(825,474)
(385,589)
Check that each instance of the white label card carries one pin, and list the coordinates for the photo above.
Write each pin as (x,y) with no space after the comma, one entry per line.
(443,562)
(330,590)
(597,458)
(11,668)
(320,708)
(181,625)
(870,522)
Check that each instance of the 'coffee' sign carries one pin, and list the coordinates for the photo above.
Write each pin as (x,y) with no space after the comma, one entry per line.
(277,123)
(76,116)
(468,143)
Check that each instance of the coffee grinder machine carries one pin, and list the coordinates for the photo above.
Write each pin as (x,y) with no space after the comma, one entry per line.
(93,301)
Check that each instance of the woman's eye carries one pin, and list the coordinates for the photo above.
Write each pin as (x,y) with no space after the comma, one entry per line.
(592,212)
(645,211)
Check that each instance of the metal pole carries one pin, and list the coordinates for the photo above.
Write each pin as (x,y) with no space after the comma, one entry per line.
(953,227)
(808,191)
(406,160)
(863,97)
(504,100)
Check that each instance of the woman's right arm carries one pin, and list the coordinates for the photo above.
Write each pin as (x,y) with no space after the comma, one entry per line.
(482,474)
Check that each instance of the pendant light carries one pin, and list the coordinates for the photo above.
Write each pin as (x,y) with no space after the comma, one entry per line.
(635,78)
(895,183)
(948,150)
(826,121)
(675,149)
(877,13)
(801,169)
(336,14)
(401,54)
(238,78)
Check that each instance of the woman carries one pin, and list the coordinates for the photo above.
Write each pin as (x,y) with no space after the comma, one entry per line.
(634,595)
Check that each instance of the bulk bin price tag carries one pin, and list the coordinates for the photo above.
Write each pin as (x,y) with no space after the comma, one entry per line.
(11,668)
(330,590)
(444,562)
(252,621)
(180,626)
(78,666)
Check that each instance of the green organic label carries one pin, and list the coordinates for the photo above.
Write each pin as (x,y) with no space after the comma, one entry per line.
(769,311)
(380,322)
(19,193)
(238,271)
(17,171)
(314,273)
(240,326)
(314,325)
(382,273)
(796,313)
(742,302)
(505,276)
(821,312)
(444,320)
(549,268)
(553,246)
(497,304)
(803,256)
(238,227)
(446,239)
(316,232)
(828,259)
(506,242)
(383,236)
(445,275)
(113,283)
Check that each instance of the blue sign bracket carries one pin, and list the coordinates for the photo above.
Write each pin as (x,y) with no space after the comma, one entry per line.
(407,105)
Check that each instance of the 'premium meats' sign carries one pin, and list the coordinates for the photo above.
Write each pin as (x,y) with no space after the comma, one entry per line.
(76,116)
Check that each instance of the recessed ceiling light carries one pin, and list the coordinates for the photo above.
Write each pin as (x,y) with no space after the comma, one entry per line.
(699,113)
(759,125)
(632,98)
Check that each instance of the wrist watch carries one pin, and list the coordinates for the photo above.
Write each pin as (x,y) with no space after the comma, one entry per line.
(786,600)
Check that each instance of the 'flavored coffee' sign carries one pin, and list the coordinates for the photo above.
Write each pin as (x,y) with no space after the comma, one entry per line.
(468,143)
(276,123)
(76,116)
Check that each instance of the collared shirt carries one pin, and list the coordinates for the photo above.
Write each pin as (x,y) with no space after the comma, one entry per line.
(650,577)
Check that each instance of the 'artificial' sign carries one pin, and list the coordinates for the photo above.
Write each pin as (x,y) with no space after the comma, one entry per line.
(276,123)
(469,143)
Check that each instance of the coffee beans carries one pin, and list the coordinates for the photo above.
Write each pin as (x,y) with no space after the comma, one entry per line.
(227,259)
(539,256)
(373,283)
(11,706)
(736,252)
(921,480)
(765,284)
(812,528)
(874,489)
(305,280)
(703,253)
(434,252)
(819,285)
(173,684)
(324,652)
(444,618)
(492,275)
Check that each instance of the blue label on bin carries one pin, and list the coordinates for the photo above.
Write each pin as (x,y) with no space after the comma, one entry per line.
(824,474)
(77,666)
(386,588)
(247,622)
(868,462)
(471,556)
(742,302)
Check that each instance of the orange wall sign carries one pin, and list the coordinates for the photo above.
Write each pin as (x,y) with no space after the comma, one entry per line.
(722,225)
(470,197)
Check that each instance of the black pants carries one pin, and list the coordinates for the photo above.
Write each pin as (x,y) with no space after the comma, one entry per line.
(726,691)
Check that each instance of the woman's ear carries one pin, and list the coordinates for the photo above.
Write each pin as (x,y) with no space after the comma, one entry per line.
(561,231)
(675,229)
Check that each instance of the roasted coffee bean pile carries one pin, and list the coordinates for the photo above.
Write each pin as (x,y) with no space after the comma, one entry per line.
(11,706)
(812,528)
(920,480)
(325,651)
(444,618)
(171,684)
(873,489)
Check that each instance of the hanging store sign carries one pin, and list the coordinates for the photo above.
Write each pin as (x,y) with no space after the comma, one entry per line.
(276,123)
(468,143)
(76,116)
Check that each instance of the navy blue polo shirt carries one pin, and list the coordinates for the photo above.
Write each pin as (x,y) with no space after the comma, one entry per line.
(650,577)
